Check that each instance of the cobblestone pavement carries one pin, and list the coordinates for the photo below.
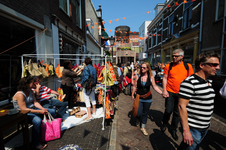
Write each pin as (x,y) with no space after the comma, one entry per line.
(129,137)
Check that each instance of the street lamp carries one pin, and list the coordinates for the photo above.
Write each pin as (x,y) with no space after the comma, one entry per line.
(112,41)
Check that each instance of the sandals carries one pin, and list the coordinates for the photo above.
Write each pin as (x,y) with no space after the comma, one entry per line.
(40,146)
(143,130)
(88,119)
(75,110)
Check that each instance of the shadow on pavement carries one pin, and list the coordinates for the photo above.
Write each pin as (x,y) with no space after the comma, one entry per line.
(213,140)
(160,140)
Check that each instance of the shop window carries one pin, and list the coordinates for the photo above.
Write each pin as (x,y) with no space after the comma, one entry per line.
(187,14)
(188,52)
(220,7)
(65,6)
(159,35)
(171,18)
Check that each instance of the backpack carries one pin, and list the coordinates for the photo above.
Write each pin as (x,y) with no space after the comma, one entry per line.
(116,73)
(89,83)
(185,65)
(129,73)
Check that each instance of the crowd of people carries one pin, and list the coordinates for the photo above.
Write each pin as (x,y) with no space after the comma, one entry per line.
(188,95)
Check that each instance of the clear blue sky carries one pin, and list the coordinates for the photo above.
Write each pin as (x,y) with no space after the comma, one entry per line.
(133,10)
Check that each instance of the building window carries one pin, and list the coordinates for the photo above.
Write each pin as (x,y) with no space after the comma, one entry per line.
(171,18)
(187,14)
(90,24)
(220,7)
(65,6)
(78,13)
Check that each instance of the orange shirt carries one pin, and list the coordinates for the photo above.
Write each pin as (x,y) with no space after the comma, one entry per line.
(176,75)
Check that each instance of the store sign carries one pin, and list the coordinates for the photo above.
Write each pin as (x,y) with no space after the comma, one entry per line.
(143,56)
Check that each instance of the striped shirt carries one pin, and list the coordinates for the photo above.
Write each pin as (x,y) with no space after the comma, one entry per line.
(43,93)
(201,104)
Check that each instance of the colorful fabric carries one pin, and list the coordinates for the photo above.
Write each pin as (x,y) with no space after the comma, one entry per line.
(112,72)
(58,71)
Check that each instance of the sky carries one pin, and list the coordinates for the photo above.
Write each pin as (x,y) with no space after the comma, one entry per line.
(135,12)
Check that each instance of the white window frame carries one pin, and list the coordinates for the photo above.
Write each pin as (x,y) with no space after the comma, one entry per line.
(217,9)
(68,7)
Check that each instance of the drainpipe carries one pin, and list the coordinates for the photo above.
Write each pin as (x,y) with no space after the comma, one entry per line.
(85,49)
(201,23)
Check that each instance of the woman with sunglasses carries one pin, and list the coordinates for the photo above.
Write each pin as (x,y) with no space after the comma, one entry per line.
(142,86)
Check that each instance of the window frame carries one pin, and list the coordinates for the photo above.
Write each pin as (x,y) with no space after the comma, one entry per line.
(170,22)
(78,12)
(217,10)
(67,7)
(186,10)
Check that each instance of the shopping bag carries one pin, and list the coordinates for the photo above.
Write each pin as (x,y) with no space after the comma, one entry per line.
(33,69)
(50,128)
(223,90)
(135,106)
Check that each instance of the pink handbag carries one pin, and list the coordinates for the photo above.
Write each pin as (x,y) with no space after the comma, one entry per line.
(51,128)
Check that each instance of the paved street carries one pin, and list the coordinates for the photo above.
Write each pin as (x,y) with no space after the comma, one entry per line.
(129,137)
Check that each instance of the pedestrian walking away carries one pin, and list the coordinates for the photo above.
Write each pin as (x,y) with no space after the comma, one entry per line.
(142,87)
(197,95)
(174,74)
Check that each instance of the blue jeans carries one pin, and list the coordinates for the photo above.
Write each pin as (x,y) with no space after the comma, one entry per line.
(197,136)
(171,105)
(143,111)
(34,118)
(54,102)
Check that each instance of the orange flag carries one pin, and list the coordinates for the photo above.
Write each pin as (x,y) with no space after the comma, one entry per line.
(160,8)
(125,32)
(103,22)
(110,21)
(116,31)
(193,0)
(105,30)
(129,31)
(98,28)
(185,1)
(117,19)
(110,30)
(89,24)
(124,17)
(120,31)
(148,12)
(176,4)
(93,27)
(95,24)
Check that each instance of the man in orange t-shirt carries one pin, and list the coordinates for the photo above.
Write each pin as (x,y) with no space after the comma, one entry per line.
(171,84)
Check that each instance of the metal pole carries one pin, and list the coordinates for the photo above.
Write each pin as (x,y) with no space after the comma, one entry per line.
(112,52)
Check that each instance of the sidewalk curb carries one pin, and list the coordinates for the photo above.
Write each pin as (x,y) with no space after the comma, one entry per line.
(113,131)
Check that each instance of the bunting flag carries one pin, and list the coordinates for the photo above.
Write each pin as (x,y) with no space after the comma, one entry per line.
(93,27)
(124,17)
(95,23)
(98,28)
(117,19)
(105,30)
(89,24)
(116,31)
(168,6)
(110,21)
(148,12)
(129,31)
(110,30)
(193,0)
(160,8)
(120,31)
(103,22)
(176,4)
(185,1)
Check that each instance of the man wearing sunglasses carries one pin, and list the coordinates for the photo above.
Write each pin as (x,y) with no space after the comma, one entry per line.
(196,101)
(174,74)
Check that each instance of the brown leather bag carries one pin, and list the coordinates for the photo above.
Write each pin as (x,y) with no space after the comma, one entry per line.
(145,95)
(135,106)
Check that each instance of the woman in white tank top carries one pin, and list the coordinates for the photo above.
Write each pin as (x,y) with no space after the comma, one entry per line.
(24,99)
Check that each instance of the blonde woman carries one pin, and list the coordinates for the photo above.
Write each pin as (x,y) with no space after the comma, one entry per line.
(142,86)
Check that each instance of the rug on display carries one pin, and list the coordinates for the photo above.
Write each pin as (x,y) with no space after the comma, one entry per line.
(71,121)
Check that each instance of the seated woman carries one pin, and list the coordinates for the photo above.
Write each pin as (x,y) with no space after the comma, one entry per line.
(24,99)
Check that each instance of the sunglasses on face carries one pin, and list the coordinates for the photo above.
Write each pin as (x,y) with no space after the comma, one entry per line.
(212,64)
(143,67)
(176,56)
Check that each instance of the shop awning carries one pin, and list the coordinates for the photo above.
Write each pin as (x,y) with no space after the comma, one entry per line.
(104,34)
